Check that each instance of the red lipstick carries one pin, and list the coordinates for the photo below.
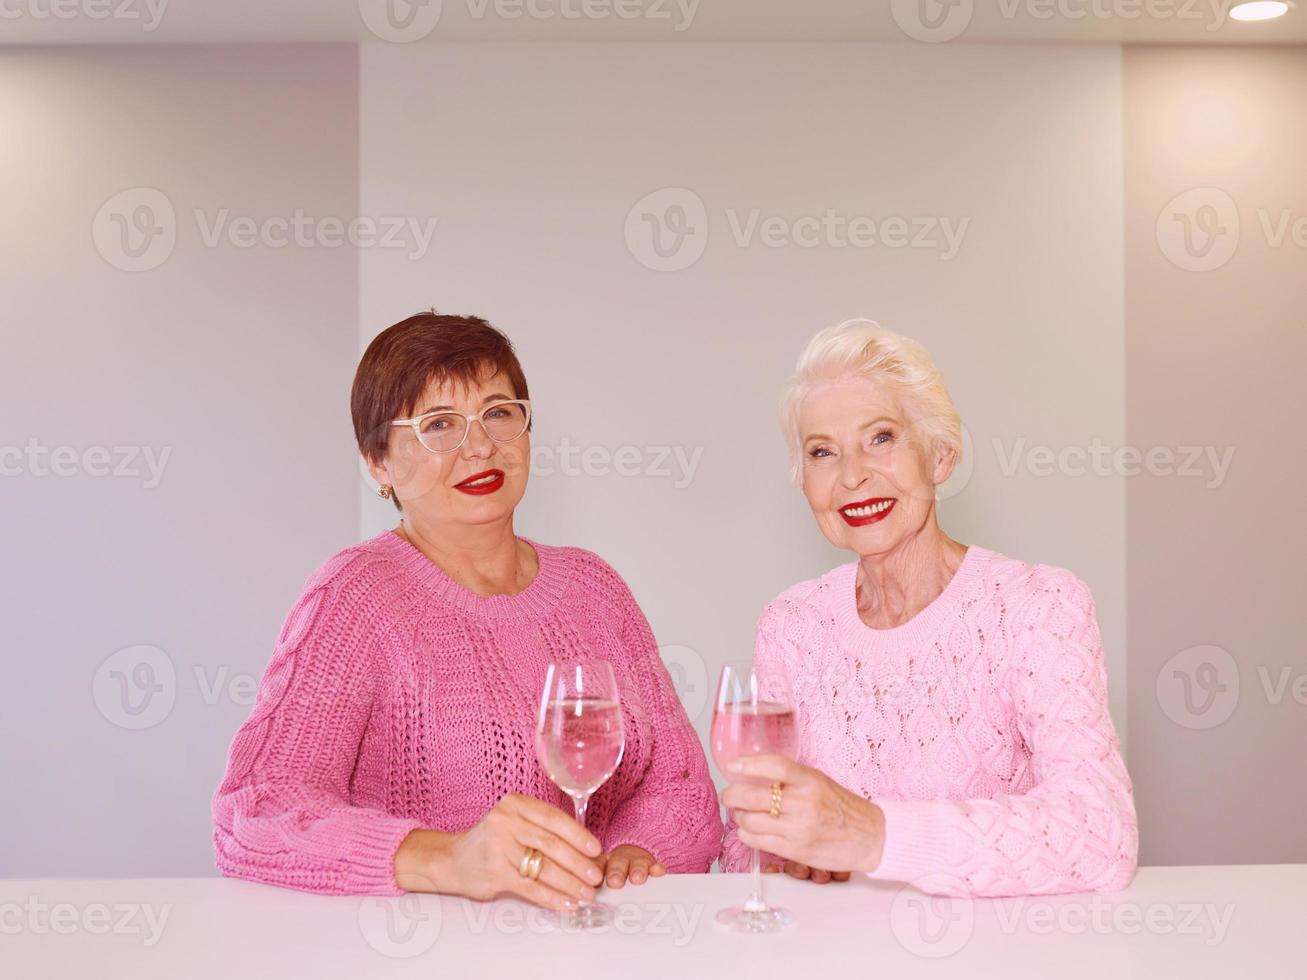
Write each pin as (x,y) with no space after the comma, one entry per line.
(868,511)
(494,479)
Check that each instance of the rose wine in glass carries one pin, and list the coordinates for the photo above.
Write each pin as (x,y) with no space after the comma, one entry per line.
(579,741)
(748,722)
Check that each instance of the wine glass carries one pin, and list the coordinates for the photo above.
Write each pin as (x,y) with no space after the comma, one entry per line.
(579,741)
(747,721)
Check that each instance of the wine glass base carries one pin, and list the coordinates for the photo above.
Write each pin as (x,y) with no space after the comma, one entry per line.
(593,915)
(755,920)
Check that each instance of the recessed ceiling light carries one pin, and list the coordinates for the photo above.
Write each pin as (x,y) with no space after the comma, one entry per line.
(1260,10)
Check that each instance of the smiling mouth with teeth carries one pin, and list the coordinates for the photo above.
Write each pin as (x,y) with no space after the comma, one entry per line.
(482,483)
(864,512)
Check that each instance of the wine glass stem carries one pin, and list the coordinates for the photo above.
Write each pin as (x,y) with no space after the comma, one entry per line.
(580,803)
(755,902)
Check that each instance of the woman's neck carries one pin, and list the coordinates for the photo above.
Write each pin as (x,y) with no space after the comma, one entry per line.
(487,559)
(893,587)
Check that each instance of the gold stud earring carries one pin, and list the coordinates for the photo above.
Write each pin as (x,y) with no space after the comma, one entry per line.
(385,491)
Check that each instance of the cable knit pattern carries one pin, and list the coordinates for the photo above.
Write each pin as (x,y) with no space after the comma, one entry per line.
(397,699)
(980,727)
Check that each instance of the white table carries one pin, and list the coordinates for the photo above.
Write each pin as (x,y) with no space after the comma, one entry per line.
(1235,923)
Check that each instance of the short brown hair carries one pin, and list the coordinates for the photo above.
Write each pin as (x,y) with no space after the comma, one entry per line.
(404,359)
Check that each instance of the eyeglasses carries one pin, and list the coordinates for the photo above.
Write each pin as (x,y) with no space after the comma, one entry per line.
(444,432)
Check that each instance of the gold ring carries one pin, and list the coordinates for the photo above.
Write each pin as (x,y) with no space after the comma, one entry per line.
(531,863)
(775,810)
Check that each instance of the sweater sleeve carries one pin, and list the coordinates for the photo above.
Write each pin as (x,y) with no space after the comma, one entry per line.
(1074,830)
(672,812)
(283,814)
(775,664)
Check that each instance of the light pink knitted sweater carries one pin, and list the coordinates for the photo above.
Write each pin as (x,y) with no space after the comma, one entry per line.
(980,727)
(397,699)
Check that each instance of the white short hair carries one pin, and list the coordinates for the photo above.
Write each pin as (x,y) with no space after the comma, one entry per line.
(862,348)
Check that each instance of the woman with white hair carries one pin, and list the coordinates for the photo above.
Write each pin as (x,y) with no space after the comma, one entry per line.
(951,702)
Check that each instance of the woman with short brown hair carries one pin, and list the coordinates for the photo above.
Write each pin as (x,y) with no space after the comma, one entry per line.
(390,747)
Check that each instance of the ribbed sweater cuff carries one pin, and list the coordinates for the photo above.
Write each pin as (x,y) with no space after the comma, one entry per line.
(631,825)
(679,849)
(371,854)
(917,840)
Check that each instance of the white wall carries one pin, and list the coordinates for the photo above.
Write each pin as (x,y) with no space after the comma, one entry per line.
(227,363)
(1218,670)
(532,157)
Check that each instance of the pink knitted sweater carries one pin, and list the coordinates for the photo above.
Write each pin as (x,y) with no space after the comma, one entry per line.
(980,727)
(397,699)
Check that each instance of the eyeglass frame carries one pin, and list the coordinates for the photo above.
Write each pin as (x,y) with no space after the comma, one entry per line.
(469,419)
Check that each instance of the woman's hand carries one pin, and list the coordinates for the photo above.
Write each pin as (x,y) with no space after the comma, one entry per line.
(628,862)
(822,824)
(804,873)
(484,860)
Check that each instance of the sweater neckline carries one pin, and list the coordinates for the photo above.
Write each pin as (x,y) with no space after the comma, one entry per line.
(922,627)
(532,603)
